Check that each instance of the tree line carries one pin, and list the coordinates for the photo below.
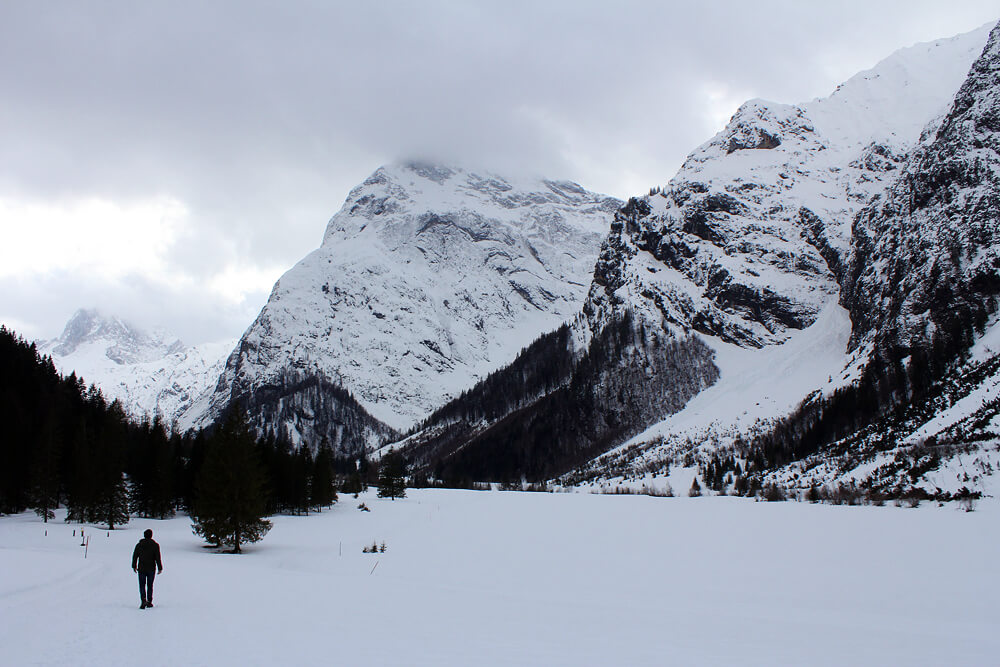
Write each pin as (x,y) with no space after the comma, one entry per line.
(62,444)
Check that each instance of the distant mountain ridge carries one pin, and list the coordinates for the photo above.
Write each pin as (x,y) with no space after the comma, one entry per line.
(150,373)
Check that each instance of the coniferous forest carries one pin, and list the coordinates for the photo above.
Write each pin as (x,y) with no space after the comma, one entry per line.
(63,445)
(553,409)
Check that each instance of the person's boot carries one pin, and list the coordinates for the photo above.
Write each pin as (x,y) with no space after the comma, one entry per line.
(149,602)
(144,604)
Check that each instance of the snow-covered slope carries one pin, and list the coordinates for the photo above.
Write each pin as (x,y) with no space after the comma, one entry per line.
(150,373)
(922,286)
(749,239)
(893,101)
(749,242)
(428,278)
(748,246)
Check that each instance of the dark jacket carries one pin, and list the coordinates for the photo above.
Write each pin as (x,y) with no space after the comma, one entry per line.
(146,557)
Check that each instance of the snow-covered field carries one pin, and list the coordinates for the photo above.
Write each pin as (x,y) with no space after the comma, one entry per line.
(502,578)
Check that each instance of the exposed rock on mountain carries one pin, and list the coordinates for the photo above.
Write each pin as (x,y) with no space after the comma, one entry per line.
(925,257)
(921,286)
(748,241)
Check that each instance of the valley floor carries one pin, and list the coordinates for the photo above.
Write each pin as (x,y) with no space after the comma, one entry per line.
(504,578)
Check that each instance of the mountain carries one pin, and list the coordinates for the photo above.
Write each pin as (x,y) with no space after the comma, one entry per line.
(748,253)
(150,373)
(428,278)
(921,286)
(926,250)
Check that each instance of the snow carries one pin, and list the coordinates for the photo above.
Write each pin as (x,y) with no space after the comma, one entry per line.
(781,185)
(988,344)
(987,391)
(787,182)
(149,373)
(755,388)
(869,106)
(428,279)
(503,578)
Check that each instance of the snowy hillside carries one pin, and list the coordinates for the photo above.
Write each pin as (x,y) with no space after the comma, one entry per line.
(428,278)
(915,409)
(150,373)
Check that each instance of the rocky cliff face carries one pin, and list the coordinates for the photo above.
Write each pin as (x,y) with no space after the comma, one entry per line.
(749,240)
(925,257)
(915,412)
(564,401)
(428,278)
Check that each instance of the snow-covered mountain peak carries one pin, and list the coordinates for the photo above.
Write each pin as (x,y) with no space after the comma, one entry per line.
(894,100)
(150,373)
(428,278)
(417,188)
(121,342)
(890,182)
(759,124)
(748,241)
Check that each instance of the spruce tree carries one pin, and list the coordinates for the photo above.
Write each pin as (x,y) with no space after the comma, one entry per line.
(322,488)
(392,477)
(161,472)
(230,504)
(113,503)
(812,495)
(83,485)
(302,467)
(45,470)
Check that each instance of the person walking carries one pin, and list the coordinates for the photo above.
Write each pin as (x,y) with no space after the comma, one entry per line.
(146,561)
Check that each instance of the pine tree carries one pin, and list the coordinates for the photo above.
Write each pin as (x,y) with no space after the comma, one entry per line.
(230,504)
(113,503)
(695,488)
(322,489)
(161,479)
(195,456)
(45,471)
(392,477)
(83,491)
(302,467)
(812,495)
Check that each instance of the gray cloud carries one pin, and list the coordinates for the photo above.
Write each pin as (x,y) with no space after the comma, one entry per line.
(189,313)
(260,116)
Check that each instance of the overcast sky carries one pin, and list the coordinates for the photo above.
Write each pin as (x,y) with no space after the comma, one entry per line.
(168,161)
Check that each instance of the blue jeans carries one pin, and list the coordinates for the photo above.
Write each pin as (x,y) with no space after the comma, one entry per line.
(146,585)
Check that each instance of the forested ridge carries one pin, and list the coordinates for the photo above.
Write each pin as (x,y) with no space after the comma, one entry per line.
(553,408)
(62,444)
